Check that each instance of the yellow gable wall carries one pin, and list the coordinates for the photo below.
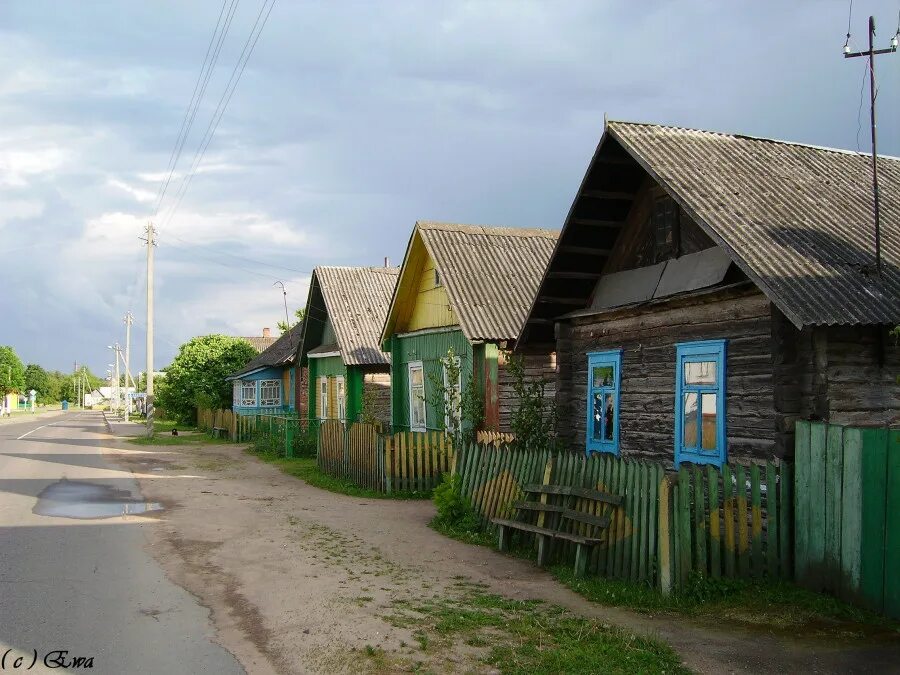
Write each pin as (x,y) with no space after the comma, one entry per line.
(431,308)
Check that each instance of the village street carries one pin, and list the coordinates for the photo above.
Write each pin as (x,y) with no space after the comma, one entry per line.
(235,555)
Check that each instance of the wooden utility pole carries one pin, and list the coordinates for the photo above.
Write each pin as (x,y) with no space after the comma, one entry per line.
(129,319)
(871,53)
(148,401)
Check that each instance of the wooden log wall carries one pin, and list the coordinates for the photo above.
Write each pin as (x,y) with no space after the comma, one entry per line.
(539,365)
(648,337)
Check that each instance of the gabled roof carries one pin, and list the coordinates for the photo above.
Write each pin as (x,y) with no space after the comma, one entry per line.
(796,219)
(259,342)
(356,301)
(490,274)
(282,352)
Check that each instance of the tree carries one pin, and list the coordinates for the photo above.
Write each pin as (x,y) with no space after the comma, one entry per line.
(12,372)
(197,375)
(39,379)
(534,419)
(284,327)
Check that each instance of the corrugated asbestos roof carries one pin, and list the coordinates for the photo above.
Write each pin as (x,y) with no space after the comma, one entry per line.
(796,218)
(259,343)
(357,300)
(282,352)
(491,273)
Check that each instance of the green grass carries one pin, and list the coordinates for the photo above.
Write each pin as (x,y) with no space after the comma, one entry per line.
(768,605)
(478,538)
(528,637)
(306,470)
(183,438)
(166,426)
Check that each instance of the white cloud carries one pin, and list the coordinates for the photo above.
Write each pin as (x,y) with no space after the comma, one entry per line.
(140,194)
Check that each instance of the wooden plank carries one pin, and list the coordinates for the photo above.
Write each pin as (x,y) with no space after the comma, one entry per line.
(614,530)
(676,534)
(664,545)
(756,521)
(656,476)
(684,524)
(851,517)
(772,516)
(802,505)
(742,529)
(874,499)
(644,529)
(892,528)
(699,513)
(834,471)
(630,502)
(729,550)
(785,521)
(570,490)
(816,508)
(715,533)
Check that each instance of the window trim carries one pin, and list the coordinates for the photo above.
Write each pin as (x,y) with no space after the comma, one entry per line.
(687,352)
(323,397)
(613,357)
(340,398)
(412,365)
(266,403)
(458,363)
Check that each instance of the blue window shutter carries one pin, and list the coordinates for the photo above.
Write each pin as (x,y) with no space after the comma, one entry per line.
(608,440)
(691,449)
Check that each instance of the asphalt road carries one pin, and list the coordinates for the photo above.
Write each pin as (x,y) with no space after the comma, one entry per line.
(84,584)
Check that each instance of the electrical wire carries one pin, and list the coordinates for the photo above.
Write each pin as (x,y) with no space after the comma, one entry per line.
(187,120)
(243,258)
(230,88)
(862,87)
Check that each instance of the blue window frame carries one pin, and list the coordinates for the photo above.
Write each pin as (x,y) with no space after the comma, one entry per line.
(604,377)
(700,403)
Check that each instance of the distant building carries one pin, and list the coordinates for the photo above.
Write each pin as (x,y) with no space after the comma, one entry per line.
(260,343)
(270,382)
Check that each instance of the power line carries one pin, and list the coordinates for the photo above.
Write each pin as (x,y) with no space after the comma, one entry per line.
(243,258)
(236,74)
(191,112)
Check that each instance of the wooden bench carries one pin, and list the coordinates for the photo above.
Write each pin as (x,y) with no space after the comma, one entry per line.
(219,432)
(553,519)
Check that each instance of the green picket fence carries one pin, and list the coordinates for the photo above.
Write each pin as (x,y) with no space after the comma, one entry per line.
(848,513)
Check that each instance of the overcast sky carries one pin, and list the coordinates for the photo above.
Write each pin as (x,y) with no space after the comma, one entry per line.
(352,121)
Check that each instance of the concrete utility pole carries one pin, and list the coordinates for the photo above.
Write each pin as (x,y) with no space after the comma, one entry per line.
(129,319)
(871,52)
(151,242)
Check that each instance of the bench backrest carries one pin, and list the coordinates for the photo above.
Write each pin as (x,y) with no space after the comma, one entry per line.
(561,507)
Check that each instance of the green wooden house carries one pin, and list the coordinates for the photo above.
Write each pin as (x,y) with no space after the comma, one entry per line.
(465,287)
(345,311)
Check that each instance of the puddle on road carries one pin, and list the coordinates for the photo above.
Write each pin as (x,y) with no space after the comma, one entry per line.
(80,499)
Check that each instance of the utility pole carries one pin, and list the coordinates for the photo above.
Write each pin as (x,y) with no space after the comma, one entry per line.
(129,319)
(871,53)
(118,381)
(151,242)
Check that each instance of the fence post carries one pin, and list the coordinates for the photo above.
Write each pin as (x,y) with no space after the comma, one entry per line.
(288,439)
(664,534)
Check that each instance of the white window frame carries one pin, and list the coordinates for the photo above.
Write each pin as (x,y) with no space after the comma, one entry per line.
(414,399)
(323,398)
(340,396)
(248,400)
(236,394)
(266,390)
(458,387)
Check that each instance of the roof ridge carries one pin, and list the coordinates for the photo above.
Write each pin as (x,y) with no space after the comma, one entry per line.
(487,230)
(750,137)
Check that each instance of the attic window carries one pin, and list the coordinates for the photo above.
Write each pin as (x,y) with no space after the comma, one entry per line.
(664,224)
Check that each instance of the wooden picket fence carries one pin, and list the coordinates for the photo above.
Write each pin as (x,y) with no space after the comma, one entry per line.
(704,522)
(736,522)
(494,438)
(207,420)
(416,461)
(848,513)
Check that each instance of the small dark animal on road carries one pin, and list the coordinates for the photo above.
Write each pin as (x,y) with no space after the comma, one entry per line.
(174,432)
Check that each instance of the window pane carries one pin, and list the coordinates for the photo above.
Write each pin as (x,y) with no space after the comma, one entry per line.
(700,372)
(609,417)
(597,422)
(415,377)
(603,376)
(689,420)
(709,421)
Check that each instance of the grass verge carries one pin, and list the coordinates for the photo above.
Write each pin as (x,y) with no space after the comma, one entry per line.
(306,470)
(183,438)
(765,605)
(527,637)
(771,606)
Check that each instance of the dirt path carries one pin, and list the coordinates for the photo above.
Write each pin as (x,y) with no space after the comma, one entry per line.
(298,579)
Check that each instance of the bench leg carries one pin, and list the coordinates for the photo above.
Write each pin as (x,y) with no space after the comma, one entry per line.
(503,544)
(582,552)
(543,549)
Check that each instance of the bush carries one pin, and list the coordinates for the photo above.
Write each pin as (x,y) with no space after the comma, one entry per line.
(453,510)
